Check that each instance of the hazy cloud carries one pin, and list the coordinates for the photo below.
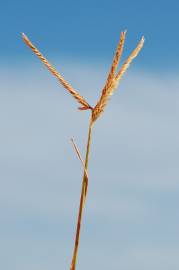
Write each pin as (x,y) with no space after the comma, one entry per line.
(131,218)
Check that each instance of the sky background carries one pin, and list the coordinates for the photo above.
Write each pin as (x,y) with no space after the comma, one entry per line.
(131,218)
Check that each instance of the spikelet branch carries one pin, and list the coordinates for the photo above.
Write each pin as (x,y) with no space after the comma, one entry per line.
(70,89)
(129,59)
(116,60)
(112,84)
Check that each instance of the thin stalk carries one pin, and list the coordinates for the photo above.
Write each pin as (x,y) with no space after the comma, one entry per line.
(82,198)
(79,156)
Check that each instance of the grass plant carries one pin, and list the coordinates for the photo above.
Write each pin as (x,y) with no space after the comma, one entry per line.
(111,84)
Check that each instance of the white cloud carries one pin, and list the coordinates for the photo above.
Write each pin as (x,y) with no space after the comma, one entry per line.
(133,170)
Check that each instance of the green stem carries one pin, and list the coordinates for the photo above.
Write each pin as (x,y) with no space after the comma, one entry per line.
(82,199)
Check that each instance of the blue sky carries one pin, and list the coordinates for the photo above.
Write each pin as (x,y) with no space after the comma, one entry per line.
(131,218)
(90,29)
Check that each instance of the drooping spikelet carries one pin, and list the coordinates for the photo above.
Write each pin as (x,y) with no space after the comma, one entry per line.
(70,89)
(112,84)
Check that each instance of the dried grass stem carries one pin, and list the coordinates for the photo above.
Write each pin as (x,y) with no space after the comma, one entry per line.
(82,198)
(110,85)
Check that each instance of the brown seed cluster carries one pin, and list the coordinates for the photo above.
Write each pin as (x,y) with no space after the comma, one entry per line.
(111,82)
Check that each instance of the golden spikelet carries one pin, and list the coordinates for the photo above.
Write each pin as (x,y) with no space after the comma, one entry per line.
(116,60)
(130,58)
(113,83)
(76,95)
